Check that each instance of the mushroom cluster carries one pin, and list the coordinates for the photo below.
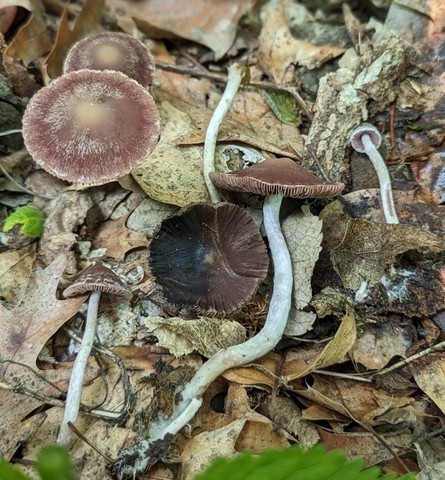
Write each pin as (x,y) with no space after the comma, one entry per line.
(96,122)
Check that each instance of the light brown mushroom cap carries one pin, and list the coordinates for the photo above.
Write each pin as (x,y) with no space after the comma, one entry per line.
(274,176)
(112,51)
(365,129)
(91,126)
(98,277)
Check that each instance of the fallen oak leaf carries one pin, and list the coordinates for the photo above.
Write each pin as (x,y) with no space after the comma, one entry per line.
(25,330)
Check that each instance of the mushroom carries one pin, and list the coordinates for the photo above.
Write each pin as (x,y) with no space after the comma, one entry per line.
(91,126)
(367,139)
(208,258)
(275,178)
(102,284)
(112,51)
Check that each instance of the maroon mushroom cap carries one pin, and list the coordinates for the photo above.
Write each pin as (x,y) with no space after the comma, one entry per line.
(91,126)
(112,51)
(209,258)
(98,277)
(277,176)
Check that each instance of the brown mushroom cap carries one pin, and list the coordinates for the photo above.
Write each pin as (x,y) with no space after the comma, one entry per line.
(112,51)
(98,277)
(277,176)
(91,126)
(209,259)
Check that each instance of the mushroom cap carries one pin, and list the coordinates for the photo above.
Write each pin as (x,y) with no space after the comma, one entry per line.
(208,259)
(98,277)
(368,129)
(274,176)
(91,126)
(112,51)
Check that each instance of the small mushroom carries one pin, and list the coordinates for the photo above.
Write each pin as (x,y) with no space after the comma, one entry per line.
(91,126)
(367,139)
(101,283)
(208,259)
(112,51)
(276,178)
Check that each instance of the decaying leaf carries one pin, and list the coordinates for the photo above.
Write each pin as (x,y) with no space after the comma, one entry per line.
(302,232)
(204,335)
(207,446)
(279,49)
(26,329)
(117,239)
(33,39)
(429,376)
(87,22)
(213,25)
(367,249)
(15,270)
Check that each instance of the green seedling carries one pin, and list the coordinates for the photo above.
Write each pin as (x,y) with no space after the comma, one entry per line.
(30,218)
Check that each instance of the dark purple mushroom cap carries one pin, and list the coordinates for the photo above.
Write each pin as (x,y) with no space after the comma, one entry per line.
(98,277)
(277,176)
(91,126)
(209,258)
(112,51)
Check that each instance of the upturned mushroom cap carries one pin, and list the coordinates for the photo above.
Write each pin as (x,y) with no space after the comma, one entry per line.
(91,126)
(277,176)
(368,129)
(112,51)
(98,277)
(208,259)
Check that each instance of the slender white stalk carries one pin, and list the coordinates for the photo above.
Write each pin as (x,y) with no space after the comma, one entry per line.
(255,347)
(10,132)
(74,393)
(233,84)
(380,167)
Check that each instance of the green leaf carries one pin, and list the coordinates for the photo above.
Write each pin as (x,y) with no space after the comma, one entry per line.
(54,463)
(9,472)
(283,105)
(31,218)
(294,464)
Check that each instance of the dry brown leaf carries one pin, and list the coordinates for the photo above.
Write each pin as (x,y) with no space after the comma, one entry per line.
(430,378)
(117,239)
(212,23)
(32,39)
(367,249)
(26,329)
(88,21)
(335,350)
(379,343)
(204,448)
(15,269)
(279,50)
(365,445)
(204,335)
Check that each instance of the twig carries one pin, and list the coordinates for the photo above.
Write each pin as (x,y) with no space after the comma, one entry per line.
(193,72)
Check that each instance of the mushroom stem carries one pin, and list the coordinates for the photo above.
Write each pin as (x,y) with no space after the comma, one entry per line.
(72,404)
(255,347)
(384,180)
(235,72)
(10,132)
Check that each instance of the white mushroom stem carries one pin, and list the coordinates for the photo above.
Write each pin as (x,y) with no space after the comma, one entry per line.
(254,348)
(232,87)
(72,404)
(381,169)
(10,132)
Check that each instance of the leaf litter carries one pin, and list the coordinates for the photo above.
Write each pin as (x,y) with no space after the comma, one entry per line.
(361,366)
